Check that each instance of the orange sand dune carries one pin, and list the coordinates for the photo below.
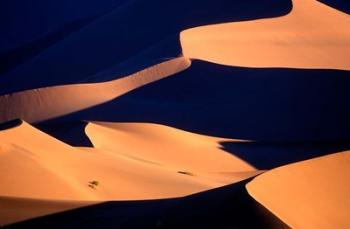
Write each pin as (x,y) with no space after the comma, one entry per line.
(313,35)
(168,147)
(138,161)
(129,162)
(41,104)
(308,194)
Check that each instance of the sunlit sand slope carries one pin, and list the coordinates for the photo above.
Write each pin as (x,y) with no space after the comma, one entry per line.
(169,148)
(308,194)
(44,103)
(128,162)
(285,80)
(313,35)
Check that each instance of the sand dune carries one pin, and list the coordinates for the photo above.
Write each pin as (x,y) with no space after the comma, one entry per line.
(122,34)
(266,104)
(45,18)
(308,194)
(170,147)
(225,207)
(123,67)
(44,103)
(168,163)
(313,35)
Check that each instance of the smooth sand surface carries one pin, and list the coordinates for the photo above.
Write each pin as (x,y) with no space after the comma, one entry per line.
(168,147)
(45,103)
(309,194)
(313,35)
(129,162)
(143,161)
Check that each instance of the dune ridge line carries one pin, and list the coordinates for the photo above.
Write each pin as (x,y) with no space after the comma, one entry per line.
(45,103)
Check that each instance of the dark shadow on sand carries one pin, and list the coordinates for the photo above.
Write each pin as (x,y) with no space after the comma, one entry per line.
(10,124)
(14,57)
(265,155)
(30,27)
(226,207)
(342,5)
(261,104)
(72,133)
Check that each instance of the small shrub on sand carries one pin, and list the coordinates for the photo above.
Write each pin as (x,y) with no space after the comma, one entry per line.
(93,184)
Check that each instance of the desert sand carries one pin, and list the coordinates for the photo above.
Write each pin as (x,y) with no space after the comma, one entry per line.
(56,101)
(126,158)
(308,194)
(138,160)
(312,35)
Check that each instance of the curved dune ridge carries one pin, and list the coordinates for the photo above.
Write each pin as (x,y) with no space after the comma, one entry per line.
(164,162)
(300,39)
(308,194)
(45,103)
(312,35)
(140,160)
(122,34)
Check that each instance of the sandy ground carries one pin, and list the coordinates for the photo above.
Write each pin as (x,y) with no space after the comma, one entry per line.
(127,162)
(142,161)
(308,194)
(312,35)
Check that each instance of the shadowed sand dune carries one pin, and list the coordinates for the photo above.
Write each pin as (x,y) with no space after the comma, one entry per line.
(37,18)
(312,35)
(226,207)
(14,209)
(308,194)
(177,163)
(342,5)
(44,103)
(271,104)
(269,155)
(46,23)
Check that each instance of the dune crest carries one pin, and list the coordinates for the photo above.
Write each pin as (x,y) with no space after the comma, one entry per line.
(309,194)
(313,35)
(45,103)
(156,143)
